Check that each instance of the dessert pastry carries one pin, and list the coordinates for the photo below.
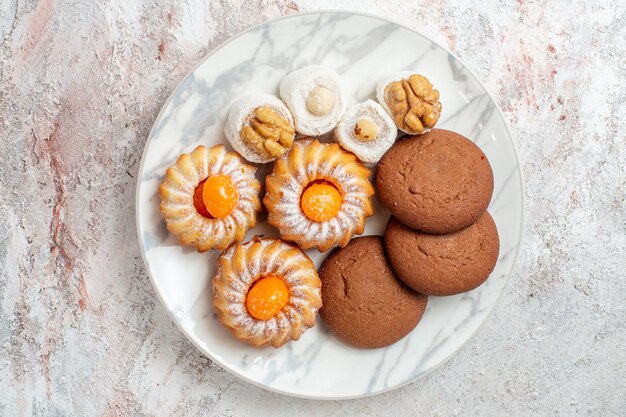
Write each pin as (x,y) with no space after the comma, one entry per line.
(318,195)
(210,198)
(259,127)
(367,131)
(410,99)
(443,264)
(365,304)
(315,98)
(438,182)
(266,291)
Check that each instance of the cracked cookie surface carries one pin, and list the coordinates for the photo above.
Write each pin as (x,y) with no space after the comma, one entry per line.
(365,304)
(443,264)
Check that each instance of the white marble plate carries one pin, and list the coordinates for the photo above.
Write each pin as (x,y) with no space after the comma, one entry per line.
(360,48)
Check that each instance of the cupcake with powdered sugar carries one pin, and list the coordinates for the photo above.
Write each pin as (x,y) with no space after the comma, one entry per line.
(318,195)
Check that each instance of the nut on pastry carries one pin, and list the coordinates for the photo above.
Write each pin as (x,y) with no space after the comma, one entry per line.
(318,195)
(315,98)
(410,100)
(366,130)
(266,291)
(259,127)
(210,198)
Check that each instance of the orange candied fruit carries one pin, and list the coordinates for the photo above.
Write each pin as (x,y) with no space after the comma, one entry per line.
(198,203)
(219,196)
(320,201)
(267,297)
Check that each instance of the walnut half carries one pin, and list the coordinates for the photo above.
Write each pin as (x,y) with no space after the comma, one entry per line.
(414,103)
(269,133)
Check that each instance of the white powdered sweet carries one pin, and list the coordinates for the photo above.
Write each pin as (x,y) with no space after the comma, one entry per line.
(295,90)
(367,151)
(239,115)
(384,82)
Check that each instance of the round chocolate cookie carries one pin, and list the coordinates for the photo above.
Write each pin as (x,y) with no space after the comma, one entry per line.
(439,182)
(364,302)
(443,264)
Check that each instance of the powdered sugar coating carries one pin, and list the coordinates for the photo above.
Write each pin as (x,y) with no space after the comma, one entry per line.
(295,89)
(242,264)
(239,115)
(310,160)
(179,212)
(369,152)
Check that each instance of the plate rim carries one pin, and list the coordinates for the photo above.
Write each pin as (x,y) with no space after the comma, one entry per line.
(515,256)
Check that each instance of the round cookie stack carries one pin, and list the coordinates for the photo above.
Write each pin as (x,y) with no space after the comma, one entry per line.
(440,239)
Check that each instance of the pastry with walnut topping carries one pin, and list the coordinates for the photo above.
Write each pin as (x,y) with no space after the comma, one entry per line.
(260,127)
(411,100)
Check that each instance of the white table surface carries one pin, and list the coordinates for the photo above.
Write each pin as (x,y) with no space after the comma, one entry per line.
(81,330)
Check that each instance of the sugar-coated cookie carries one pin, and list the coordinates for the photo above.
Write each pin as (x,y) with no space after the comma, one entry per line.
(315,98)
(259,127)
(366,130)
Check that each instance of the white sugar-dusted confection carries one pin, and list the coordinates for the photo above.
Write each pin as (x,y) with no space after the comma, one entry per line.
(367,151)
(295,90)
(239,115)
(384,82)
